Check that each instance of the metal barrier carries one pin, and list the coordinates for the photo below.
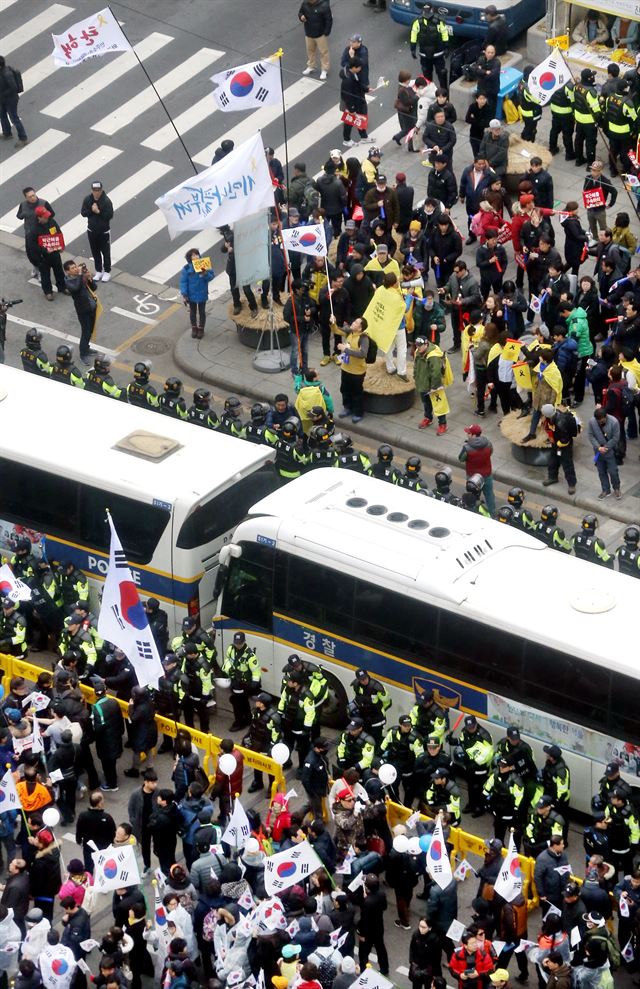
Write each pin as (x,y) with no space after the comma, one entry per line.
(209,744)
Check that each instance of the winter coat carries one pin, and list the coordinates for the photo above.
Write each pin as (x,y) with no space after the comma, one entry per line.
(95,825)
(163,825)
(578,327)
(425,954)
(349,828)
(235,957)
(473,197)
(352,92)
(405,194)
(549,882)
(318,18)
(333,195)
(325,849)
(441,136)
(306,938)
(360,291)
(565,355)
(77,929)
(560,979)
(478,119)
(108,727)
(542,187)
(389,200)
(574,240)
(442,186)
(447,247)
(231,783)
(27,212)
(428,369)
(143,731)
(401,872)
(483,964)
(495,150)
(182,776)
(36,940)
(442,906)
(9,933)
(98,223)
(45,873)
(201,873)
(372,914)
(476,454)
(65,758)
(76,890)
(315,774)
(406,103)
(121,904)
(16,894)
(194,285)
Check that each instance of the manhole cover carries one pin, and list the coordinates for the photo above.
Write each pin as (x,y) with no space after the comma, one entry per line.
(151,347)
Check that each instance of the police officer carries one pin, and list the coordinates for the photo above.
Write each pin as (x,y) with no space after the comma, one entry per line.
(356,749)
(322,452)
(158,623)
(587,546)
(139,391)
(242,667)
(472,495)
(298,716)
(434,757)
(628,555)
(348,458)
(476,755)
(34,360)
(231,418)
(550,533)
(201,412)
(383,469)
(555,779)
(192,632)
(290,460)
(519,756)
(74,636)
(257,430)
(13,630)
(562,122)
(412,479)
(530,108)
(442,491)
(313,676)
(119,674)
(544,821)
(65,370)
(23,562)
(623,831)
(264,732)
(444,794)
(595,837)
(622,118)
(197,683)
(521,519)
(169,695)
(428,717)
(612,780)
(430,36)
(586,111)
(98,379)
(504,793)
(401,746)
(73,584)
(46,599)
(370,702)
(171,403)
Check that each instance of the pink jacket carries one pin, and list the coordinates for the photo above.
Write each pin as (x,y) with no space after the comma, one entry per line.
(76,890)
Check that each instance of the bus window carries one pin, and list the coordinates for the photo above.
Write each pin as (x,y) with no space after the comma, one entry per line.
(223,512)
(623,713)
(139,526)
(554,680)
(248,593)
(45,501)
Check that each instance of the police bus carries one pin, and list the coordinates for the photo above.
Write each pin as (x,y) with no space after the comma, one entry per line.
(351,572)
(176,491)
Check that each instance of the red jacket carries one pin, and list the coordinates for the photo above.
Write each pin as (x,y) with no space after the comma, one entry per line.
(234,782)
(483,964)
(478,461)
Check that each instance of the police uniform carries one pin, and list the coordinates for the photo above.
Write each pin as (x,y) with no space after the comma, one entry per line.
(430,36)
(550,533)
(555,780)
(74,585)
(264,732)
(427,717)
(518,754)
(298,713)
(34,360)
(383,469)
(290,460)
(588,546)
(46,598)
(197,683)
(355,748)
(611,781)
(140,392)
(477,753)
(354,460)
(544,822)
(445,796)
(370,702)
(624,833)
(81,641)
(530,110)
(313,678)
(628,555)
(520,518)
(192,633)
(201,413)
(67,373)
(586,111)
(168,696)
(23,563)
(230,421)
(562,122)
(427,762)
(172,404)
(260,433)
(504,792)
(327,457)
(13,630)
(101,383)
(242,667)
(401,749)
(622,121)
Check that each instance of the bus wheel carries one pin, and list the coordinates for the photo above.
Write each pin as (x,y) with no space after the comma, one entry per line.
(333,713)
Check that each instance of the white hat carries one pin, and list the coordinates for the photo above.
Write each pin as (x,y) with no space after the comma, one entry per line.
(348,965)
(494,124)
(335,153)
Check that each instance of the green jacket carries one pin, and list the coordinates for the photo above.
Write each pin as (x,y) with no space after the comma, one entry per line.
(428,369)
(578,328)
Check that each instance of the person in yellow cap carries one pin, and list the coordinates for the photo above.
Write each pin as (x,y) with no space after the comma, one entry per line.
(500,978)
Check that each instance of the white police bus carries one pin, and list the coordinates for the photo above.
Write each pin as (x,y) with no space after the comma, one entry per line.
(353,572)
(176,491)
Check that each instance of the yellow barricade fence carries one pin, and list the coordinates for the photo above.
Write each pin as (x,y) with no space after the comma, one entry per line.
(209,745)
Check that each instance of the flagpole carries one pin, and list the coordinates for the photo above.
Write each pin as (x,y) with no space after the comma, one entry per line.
(326,268)
(289,283)
(279,55)
(160,100)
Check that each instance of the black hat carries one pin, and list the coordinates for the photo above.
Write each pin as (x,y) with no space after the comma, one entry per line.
(404,719)
(513,732)
(361,674)
(189,622)
(599,815)
(321,742)
(264,698)
(544,802)
(434,740)
(440,773)
(354,724)
(571,889)
(295,677)
(239,639)
(470,721)
(503,761)
(611,769)
(553,750)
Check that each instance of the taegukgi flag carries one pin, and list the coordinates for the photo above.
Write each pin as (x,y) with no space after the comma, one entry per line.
(438,863)
(9,799)
(236,186)
(509,881)
(57,966)
(11,586)
(548,77)
(123,620)
(96,35)
(306,240)
(238,829)
(286,868)
(248,86)
(115,868)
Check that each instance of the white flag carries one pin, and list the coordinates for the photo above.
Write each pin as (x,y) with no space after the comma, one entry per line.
(238,185)
(549,76)
(11,587)
(370,979)
(356,882)
(286,868)
(306,240)
(438,862)
(238,828)
(124,621)
(9,799)
(509,882)
(96,35)
(57,966)
(36,740)
(345,868)
(248,86)
(623,907)
(270,915)
(114,868)
(463,870)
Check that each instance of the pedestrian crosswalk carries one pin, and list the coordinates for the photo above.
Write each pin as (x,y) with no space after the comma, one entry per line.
(103,120)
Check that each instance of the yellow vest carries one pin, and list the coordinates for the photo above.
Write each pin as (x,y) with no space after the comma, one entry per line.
(308,396)
(495,351)
(356,365)
(465,340)
(374,265)
(633,366)
(552,376)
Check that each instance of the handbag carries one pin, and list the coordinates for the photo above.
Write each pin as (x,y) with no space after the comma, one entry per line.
(376,844)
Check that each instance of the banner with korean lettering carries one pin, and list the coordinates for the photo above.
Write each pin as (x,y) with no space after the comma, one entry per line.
(286,868)
(96,35)
(236,186)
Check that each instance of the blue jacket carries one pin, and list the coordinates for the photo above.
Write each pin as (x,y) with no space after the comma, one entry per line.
(193,285)
(566,354)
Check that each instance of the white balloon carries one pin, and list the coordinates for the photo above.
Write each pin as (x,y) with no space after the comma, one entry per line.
(414,846)
(227,764)
(280,753)
(51,817)
(252,845)
(387,774)
(401,843)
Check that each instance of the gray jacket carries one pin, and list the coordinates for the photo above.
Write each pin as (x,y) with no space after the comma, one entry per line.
(549,882)
(606,435)
(496,151)
(201,869)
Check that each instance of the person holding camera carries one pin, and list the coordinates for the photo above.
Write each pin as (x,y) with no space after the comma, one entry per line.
(82,288)
(300,313)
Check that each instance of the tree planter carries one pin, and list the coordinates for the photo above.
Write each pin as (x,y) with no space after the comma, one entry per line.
(249,329)
(385,393)
(537,453)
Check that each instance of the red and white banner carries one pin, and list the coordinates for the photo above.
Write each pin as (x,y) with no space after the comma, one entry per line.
(96,35)
(359,120)
(593,198)
(52,242)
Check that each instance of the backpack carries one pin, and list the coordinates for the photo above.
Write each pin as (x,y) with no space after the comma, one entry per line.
(327,972)
(20,88)
(520,918)
(209,925)
(627,400)
(311,198)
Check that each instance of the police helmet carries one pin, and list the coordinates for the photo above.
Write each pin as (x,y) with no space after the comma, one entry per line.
(259,412)
(264,698)
(587,76)
(632,535)
(173,386)
(233,405)
(316,412)
(413,465)
(590,523)
(64,354)
(289,429)
(515,497)
(427,11)
(443,478)
(141,372)
(201,398)
(342,442)
(33,338)
(549,513)
(505,514)
(475,484)
(385,453)
(320,436)
(102,364)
